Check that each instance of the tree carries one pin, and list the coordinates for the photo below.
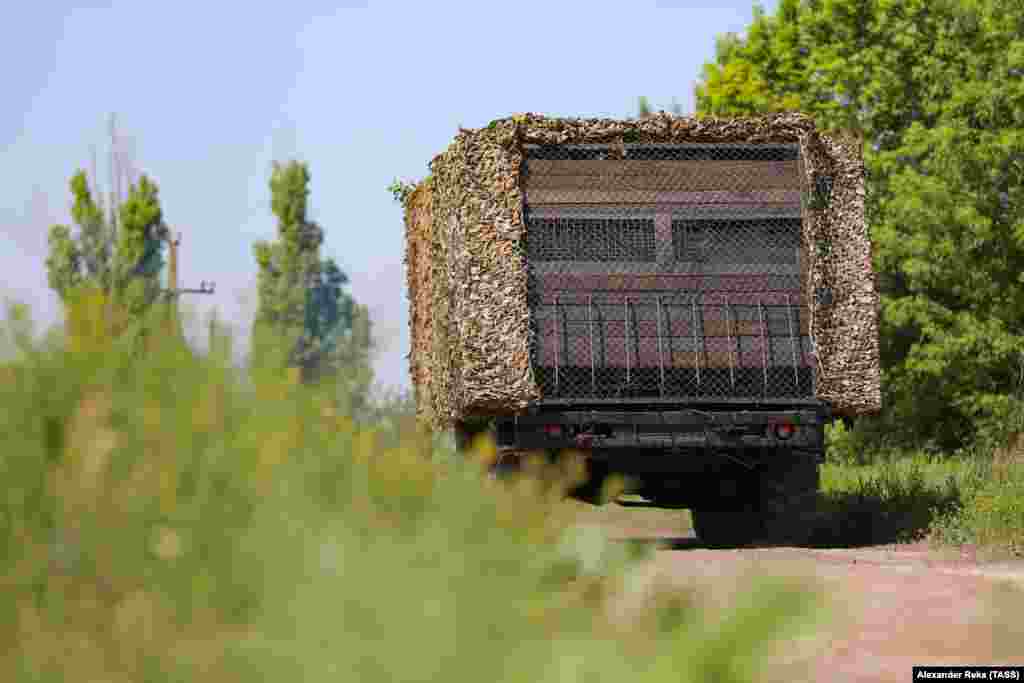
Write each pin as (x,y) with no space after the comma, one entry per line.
(936,88)
(304,318)
(643,107)
(117,249)
(287,268)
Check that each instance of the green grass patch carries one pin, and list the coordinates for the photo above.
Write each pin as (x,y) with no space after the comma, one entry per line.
(991,513)
(874,492)
(886,502)
(972,499)
(167,518)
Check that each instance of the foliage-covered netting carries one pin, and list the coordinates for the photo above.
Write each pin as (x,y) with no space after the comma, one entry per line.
(555,248)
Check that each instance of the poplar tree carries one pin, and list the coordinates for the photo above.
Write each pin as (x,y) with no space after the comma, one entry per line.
(305,319)
(115,247)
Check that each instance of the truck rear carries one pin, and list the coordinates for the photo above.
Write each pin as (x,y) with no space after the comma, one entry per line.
(671,332)
(671,290)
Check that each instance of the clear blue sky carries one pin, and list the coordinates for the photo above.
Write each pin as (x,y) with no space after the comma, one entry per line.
(365,91)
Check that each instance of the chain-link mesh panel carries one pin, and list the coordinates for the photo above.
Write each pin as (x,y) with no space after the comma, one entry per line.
(667,272)
(589,239)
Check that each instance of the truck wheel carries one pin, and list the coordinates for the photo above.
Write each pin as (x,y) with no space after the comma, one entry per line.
(789,499)
(783,512)
(727,528)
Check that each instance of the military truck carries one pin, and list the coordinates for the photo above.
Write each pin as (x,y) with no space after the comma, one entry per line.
(658,295)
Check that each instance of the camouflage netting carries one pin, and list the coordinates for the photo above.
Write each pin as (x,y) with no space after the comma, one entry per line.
(418,238)
(845,332)
(471,328)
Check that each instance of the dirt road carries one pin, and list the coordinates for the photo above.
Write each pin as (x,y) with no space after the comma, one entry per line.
(892,607)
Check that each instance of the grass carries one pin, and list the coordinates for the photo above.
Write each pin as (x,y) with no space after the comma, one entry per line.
(991,514)
(885,502)
(167,518)
(953,501)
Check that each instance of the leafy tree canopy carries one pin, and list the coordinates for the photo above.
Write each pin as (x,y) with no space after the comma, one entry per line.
(936,88)
(305,318)
(118,253)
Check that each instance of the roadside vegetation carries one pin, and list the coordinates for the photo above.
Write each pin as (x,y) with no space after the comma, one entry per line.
(974,497)
(167,518)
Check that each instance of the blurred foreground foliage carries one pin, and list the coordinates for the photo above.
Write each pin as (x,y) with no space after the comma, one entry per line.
(167,517)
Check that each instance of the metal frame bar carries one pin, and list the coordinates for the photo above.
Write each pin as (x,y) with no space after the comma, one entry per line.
(728,332)
(814,374)
(625,338)
(703,340)
(676,210)
(775,147)
(593,370)
(764,344)
(695,400)
(793,341)
(661,351)
(558,362)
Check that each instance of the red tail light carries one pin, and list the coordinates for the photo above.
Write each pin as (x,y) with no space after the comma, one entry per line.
(784,430)
(554,431)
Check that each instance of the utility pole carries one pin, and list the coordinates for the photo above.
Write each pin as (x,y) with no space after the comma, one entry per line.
(173,292)
(172,272)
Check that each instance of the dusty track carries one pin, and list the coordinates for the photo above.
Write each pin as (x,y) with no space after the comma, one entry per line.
(891,607)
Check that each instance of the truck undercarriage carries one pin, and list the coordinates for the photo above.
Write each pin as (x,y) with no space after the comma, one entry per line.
(746,474)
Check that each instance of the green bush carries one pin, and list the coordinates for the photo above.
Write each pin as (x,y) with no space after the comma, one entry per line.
(166,518)
(971,498)
(991,510)
(892,500)
(842,444)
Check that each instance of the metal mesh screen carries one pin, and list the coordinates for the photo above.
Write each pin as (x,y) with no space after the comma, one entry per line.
(589,239)
(667,272)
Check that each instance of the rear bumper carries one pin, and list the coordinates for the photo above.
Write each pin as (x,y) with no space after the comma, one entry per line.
(610,432)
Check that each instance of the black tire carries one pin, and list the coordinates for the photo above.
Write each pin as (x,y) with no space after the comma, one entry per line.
(781,510)
(789,499)
(662,496)
(727,528)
